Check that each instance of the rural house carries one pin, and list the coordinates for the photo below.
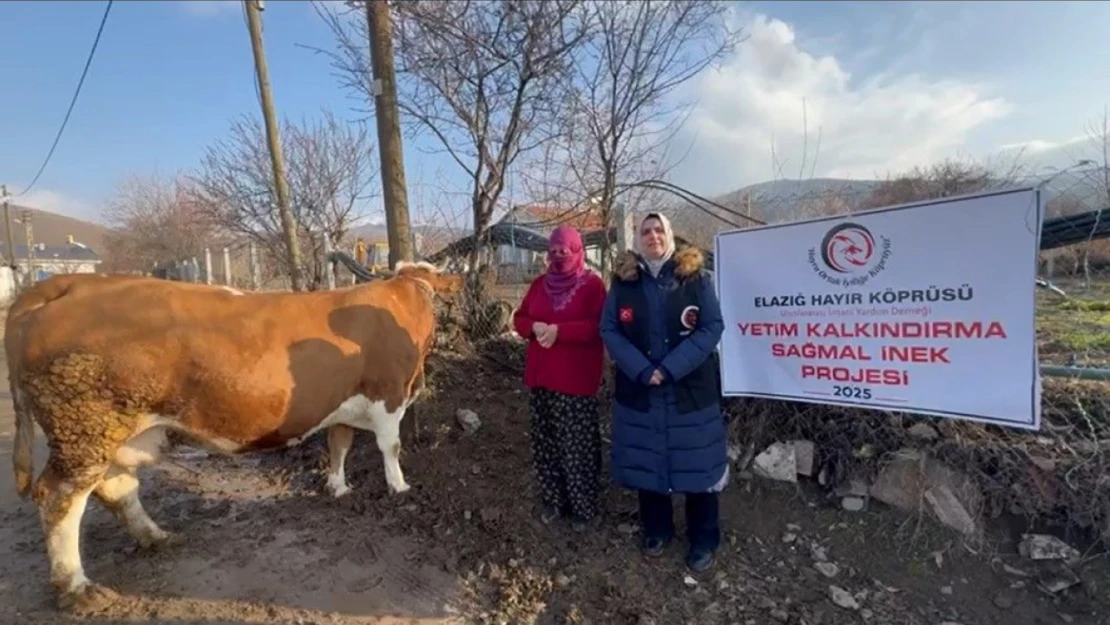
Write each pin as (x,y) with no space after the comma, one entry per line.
(48,260)
(543,219)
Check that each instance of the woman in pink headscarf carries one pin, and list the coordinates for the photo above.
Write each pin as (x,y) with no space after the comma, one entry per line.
(562,369)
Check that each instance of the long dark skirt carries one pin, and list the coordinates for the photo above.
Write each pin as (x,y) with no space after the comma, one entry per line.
(566,451)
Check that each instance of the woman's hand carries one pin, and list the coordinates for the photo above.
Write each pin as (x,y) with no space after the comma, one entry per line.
(547,335)
(538,328)
(656,378)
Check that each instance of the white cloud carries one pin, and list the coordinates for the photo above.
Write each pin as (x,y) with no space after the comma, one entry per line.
(208,8)
(1040,154)
(54,202)
(868,127)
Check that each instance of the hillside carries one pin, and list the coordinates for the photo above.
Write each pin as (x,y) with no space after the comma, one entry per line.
(776,195)
(52,229)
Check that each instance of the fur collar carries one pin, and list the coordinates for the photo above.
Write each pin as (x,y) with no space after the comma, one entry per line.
(687,262)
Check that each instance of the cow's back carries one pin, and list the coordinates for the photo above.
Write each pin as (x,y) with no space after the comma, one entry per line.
(252,371)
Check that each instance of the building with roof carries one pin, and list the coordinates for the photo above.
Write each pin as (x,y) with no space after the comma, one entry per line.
(542,219)
(48,260)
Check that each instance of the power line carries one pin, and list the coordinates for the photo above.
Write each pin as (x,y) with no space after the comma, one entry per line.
(76,93)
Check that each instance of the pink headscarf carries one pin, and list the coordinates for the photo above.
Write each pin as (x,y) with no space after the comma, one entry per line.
(566,265)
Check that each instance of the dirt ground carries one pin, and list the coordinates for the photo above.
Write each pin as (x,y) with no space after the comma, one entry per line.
(265,543)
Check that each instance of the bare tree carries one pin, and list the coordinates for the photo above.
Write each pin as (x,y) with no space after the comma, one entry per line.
(486,79)
(945,179)
(153,220)
(328,170)
(637,54)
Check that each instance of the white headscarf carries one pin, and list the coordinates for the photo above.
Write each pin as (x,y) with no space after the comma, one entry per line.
(654,265)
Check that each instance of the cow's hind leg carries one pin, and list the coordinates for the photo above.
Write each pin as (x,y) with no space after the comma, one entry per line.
(119,492)
(340,438)
(62,496)
(387,430)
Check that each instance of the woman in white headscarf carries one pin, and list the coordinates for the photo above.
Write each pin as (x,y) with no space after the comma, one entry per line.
(661,325)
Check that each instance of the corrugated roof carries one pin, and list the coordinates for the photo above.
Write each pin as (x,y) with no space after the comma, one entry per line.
(58,252)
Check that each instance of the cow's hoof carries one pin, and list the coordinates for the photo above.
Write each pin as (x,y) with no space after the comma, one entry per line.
(160,540)
(87,598)
(338,486)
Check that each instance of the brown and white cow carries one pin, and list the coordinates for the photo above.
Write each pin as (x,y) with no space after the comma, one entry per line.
(110,366)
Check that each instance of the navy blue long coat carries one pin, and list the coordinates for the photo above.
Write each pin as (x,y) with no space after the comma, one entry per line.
(663,450)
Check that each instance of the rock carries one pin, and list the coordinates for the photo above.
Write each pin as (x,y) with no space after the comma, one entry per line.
(468,420)
(689,581)
(853,504)
(842,598)
(803,457)
(915,482)
(1053,583)
(789,538)
(923,431)
(947,507)
(854,487)
(946,590)
(626,528)
(1003,601)
(562,581)
(780,615)
(818,552)
(777,462)
(1045,547)
(828,569)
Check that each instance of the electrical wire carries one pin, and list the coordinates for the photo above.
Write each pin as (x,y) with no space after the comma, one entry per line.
(72,102)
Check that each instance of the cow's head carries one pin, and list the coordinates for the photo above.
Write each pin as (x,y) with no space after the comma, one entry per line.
(444,284)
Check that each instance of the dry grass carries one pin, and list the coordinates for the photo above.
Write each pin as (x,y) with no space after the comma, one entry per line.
(1075,330)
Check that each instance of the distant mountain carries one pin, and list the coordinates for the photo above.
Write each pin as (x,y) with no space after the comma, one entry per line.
(52,229)
(777,194)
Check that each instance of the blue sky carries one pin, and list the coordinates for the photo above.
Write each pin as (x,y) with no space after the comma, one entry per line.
(892,85)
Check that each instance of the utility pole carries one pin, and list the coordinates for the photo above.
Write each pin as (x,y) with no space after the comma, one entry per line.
(29,232)
(8,223)
(254,25)
(380,27)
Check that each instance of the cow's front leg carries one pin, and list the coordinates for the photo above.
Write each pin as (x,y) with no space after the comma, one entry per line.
(340,438)
(387,430)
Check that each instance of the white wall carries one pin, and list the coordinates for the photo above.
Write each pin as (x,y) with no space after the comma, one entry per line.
(7,286)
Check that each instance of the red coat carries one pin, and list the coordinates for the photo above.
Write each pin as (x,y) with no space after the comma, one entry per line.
(573,364)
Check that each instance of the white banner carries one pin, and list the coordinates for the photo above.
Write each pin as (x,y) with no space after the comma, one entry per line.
(925,308)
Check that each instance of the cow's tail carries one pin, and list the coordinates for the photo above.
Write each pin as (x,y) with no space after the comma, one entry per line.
(22,455)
